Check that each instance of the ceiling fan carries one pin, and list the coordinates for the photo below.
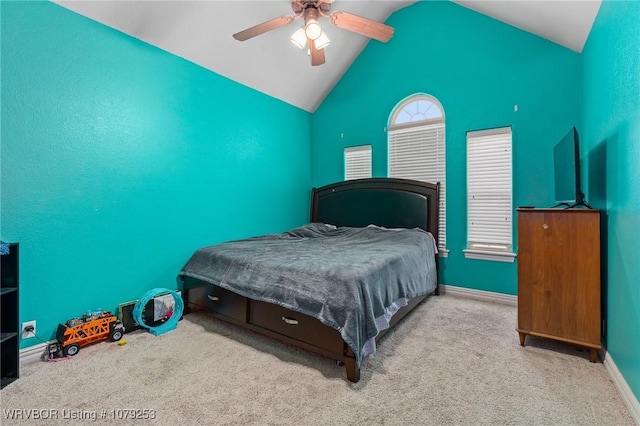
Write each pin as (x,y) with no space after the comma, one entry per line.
(311,33)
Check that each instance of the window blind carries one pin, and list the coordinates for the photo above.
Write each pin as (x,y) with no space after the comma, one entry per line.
(357,162)
(419,153)
(489,195)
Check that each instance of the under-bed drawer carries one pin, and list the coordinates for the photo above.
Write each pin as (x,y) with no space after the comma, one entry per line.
(295,325)
(219,300)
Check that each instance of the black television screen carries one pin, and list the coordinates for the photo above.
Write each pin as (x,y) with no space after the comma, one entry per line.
(566,168)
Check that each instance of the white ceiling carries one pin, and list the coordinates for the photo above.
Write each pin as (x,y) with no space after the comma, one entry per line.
(200,31)
(566,22)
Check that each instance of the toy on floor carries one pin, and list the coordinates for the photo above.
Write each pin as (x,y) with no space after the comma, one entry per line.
(92,327)
(168,314)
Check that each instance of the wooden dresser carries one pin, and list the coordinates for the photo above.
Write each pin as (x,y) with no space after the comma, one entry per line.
(559,276)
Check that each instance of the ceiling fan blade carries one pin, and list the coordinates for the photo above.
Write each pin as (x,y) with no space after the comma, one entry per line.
(317,55)
(263,28)
(360,25)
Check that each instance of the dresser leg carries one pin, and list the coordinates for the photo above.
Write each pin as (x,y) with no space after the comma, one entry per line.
(594,354)
(522,337)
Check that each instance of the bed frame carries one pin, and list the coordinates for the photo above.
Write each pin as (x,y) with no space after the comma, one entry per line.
(392,203)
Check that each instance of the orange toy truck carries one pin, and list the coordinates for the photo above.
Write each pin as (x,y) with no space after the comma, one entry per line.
(93,326)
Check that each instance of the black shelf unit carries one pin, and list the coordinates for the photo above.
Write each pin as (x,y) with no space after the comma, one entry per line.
(9,320)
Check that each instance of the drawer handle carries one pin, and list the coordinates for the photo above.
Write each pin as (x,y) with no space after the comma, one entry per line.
(214,298)
(290,321)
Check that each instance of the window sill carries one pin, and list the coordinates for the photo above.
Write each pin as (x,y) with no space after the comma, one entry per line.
(443,253)
(490,255)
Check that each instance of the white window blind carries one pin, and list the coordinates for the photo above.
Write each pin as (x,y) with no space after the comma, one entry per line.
(418,152)
(489,201)
(357,162)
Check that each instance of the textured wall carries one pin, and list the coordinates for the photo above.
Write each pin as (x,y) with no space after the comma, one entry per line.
(611,119)
(478,68)
(119,160)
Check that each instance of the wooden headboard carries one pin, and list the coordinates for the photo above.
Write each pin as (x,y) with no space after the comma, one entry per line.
(388,202)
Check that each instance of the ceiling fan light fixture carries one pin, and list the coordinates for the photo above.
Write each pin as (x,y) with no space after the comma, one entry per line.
(299,38)
(322,41)
(312,29)
(311,34)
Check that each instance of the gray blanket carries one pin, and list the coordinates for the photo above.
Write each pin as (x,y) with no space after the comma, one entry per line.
(345,277)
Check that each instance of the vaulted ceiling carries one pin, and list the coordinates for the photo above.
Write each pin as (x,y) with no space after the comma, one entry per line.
(200,31)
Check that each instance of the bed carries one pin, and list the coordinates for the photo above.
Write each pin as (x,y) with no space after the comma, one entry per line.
(333,286)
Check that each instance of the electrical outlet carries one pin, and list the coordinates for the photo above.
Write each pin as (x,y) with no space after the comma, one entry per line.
(27,326)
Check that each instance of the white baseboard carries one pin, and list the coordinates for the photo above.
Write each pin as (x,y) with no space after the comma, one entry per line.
(628,397)
(487,296)
(33,353)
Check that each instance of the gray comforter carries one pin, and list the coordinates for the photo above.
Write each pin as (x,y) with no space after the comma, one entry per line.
(345,277)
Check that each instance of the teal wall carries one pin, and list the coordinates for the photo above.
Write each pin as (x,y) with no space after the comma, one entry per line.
(119,160)
(478,68)
(611,116)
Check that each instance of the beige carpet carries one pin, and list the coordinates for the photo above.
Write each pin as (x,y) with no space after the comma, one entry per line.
(452,361)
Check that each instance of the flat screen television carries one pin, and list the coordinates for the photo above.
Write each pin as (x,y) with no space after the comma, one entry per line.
(566,171)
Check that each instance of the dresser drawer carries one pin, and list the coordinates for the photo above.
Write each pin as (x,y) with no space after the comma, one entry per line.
(218,300)
(295,325)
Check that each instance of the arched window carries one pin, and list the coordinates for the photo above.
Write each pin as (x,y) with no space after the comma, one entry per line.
(416,141)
